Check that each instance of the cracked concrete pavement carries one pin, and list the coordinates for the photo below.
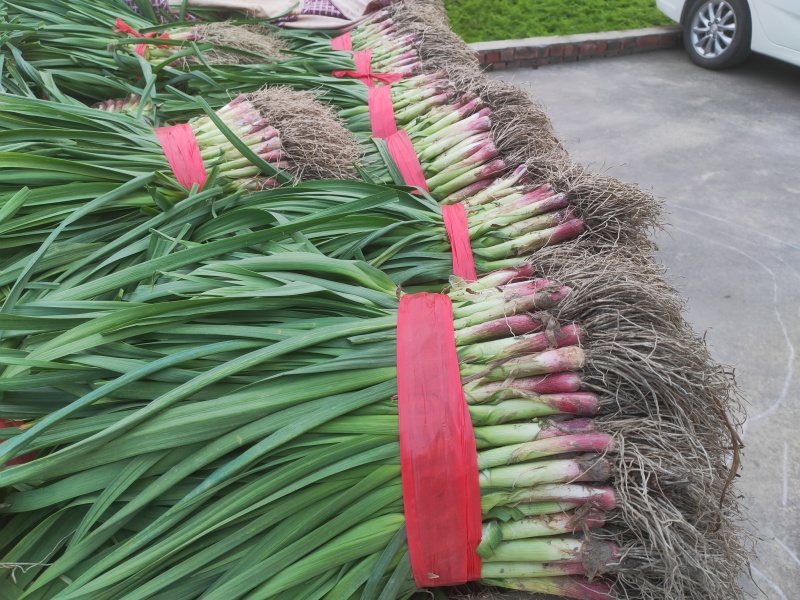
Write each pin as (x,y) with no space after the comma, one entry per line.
(723,149)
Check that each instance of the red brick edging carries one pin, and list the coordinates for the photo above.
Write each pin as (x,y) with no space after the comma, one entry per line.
(536,52)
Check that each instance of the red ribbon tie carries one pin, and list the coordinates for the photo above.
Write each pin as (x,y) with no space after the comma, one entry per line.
(455,222)
(123,27)
(363,72)
(403,153)
(381,111)
(183,154)
(342,42)
(438,457)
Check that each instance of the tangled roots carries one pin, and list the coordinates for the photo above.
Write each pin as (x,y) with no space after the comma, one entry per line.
(675,539)
(674,412)
(246,38)
(437,44)
(615,212)
(316,142)
(642,353)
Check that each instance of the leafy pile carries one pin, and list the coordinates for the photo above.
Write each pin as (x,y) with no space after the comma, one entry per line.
(199,379)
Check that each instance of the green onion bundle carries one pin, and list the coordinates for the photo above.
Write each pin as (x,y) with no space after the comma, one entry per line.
(233,400)
(67,154)
(452,135)
(399,232)
(389,52)
(80,177)
(100,39)
(616,214)
(288,474)
(405,234)
(71,46)
(118,147)
(57,158)
(206,380)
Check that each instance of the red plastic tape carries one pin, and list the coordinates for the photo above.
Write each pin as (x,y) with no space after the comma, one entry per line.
(183,154)
(20,460)
(363,60)
(455,222)
(403,153)
(363,72)
(342,42)
(381,111)
(123,27)
(438,458)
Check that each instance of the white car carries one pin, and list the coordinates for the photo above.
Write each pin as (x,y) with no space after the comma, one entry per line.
(722,33)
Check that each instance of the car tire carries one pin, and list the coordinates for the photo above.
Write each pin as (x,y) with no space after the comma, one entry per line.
(716,33)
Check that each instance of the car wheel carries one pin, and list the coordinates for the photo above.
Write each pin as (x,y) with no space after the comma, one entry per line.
(716,33)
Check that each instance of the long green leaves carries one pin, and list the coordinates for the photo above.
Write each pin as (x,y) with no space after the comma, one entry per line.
(72,46)
(24,277)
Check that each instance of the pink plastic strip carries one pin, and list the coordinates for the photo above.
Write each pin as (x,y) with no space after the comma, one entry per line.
(363,60)
(183,154)
(455,222)
(403,153)
(363,72)
(438,457)
(381,111)
(342,42)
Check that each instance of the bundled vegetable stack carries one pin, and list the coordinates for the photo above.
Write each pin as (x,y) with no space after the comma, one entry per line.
(229,337)
(90,47)
(92,170)
(497,119)
(467,150)
(118,164)
(288,386)
(117,142)
(215,389)
(95,50)
(450,131)
(402,233)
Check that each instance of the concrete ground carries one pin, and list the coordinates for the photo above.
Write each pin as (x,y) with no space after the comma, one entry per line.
(723,149)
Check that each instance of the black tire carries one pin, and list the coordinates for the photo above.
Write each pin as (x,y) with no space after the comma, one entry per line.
(737,13)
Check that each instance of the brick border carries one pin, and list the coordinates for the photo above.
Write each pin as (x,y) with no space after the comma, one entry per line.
(537,52)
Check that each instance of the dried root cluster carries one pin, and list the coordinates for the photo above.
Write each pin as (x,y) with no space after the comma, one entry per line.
(316,143)
(236,44)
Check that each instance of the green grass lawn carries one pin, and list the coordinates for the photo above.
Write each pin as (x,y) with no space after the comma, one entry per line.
(481,20)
